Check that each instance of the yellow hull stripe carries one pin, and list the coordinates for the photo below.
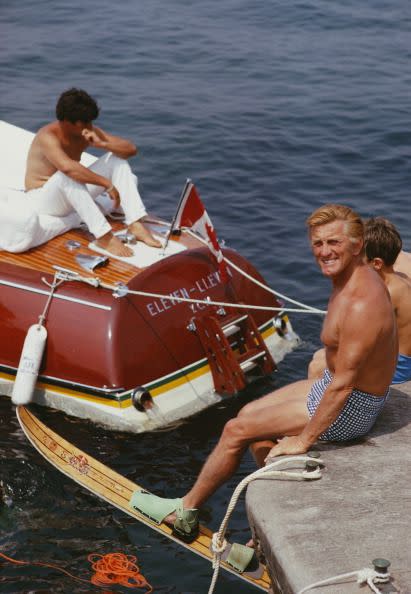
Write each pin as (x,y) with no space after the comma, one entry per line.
(126,403)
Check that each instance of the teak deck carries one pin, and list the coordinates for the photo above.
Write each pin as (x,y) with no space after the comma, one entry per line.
(56,253)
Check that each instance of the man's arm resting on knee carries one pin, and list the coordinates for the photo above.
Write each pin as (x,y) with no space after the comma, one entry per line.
(98,138)
(62,162)
(327,411)
(357,339)
(332,403)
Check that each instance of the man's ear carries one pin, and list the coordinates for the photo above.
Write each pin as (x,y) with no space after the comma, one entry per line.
(357,246)
(376,263)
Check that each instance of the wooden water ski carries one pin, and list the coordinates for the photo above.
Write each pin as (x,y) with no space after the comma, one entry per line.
(115,488)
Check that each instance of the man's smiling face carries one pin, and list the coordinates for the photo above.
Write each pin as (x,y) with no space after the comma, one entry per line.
(332,248)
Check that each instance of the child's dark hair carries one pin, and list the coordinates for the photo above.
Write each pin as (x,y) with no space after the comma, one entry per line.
(76,105)
(382,240)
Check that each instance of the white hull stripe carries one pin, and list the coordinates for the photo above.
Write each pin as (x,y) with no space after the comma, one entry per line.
(55,296)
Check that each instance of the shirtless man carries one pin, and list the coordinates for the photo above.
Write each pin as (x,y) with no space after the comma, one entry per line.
(382,247)
(359,334)
(57,184)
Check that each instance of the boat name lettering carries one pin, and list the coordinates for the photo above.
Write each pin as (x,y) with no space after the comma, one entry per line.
(208,282)
(160,305)
(202,285)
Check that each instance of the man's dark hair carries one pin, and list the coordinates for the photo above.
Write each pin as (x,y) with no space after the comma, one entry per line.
(382,240)
(76,105)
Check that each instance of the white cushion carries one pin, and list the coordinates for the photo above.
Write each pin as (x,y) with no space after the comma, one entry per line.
(21,228)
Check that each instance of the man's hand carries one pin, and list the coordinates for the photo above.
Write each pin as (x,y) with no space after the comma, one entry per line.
(93,139)
(114,195)
(287,446)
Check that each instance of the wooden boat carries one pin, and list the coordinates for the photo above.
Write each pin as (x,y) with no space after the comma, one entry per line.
(133,347)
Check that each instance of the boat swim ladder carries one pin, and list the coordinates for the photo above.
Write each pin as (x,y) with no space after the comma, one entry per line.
(234,346)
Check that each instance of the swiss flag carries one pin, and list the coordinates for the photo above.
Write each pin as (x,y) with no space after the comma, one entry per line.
(191,213)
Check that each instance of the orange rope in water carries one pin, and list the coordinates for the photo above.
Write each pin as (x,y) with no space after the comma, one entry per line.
(113,568)
(116,568)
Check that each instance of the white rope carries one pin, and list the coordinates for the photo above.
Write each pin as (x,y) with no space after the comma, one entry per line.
(53,286)
(364,576)
(219,543)
(270,290)
(210,302)
(255,281)
(123,289)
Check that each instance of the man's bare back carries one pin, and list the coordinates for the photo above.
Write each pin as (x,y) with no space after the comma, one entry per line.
(399,287)
(403,263)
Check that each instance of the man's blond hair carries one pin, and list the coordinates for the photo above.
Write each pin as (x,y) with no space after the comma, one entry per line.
(354,226)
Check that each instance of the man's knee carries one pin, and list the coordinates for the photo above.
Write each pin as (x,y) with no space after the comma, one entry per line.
(246,410)
(235,432)
(122,167)
(109,163)
(115,161)
(317,365)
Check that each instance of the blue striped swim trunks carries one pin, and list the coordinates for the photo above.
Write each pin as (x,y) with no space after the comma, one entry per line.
(403,370)
(356,418)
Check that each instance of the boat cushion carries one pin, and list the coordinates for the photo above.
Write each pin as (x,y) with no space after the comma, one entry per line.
(21,228)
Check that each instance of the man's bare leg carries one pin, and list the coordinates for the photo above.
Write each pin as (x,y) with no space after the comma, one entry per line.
(143,234)
(283,412)
(260,450)
(112,244)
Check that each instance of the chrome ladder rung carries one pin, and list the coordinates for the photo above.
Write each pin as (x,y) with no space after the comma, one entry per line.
(249,362)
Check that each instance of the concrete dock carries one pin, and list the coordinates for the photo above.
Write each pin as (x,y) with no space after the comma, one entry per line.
(358,511)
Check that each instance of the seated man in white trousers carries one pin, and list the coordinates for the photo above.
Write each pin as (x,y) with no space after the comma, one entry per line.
(57,183)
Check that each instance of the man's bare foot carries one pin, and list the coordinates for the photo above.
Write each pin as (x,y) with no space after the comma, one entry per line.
(170,519)
(143,234)
(112,244)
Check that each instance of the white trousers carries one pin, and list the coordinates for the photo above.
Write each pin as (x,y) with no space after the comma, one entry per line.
(62,195)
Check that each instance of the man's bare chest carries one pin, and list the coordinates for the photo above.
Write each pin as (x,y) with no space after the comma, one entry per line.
(74,149)
(332,323)
(330,333)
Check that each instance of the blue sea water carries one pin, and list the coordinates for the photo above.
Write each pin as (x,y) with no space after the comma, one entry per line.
(272,108)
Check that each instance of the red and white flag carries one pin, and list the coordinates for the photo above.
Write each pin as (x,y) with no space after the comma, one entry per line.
(191,213)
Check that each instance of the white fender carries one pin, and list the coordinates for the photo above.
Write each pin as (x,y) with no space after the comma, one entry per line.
(29,364)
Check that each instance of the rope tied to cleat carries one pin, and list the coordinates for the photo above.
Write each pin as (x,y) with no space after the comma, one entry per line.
(368,576)
(272,470)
